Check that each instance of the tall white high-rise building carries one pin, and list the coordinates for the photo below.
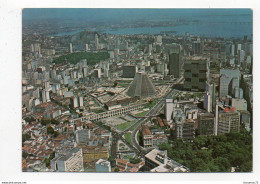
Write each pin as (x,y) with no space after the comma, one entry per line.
(85,71)
(45,96)
(70,161)
(97,73)
(86,47)
(106,72)
(81,101)
(96,41)
(169,109)
(71,48)
(150,47)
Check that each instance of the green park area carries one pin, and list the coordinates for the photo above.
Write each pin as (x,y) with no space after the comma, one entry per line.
(214,153)
(128,137)
(134,127)
(141,114)
(127,157)
(91,57)
(124,126)
(150,104)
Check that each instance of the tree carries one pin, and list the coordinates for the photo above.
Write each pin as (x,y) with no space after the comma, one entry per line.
(112,161)
(135,160)
(50,130)
(116,169)
(222,153)
(26,137)
(54,121)
(24,155)
(29,119)
(67,122)
(55,134)
(45,122)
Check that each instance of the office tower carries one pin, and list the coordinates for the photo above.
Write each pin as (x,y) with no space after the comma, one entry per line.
(210,97)
(96,41)
(238,47)
(158,39)
(197,47)
(226,120)
(141,86)
(147,137)
(245,119)
(226,79)
(241,56)
(45,96)
(160,68)
(97,73)
(232,50)
(239,104)
(117,44)
(71,48)
(36,49)
(85,71)
(83,136)
(232,61)
(150,47)
(74,102)
(86,47)
(106,72)
(71,161)
(206,123)
(238,92)
(196,72)
(129,71)
(175,62)
(185,130)
(81,104)
(169,109)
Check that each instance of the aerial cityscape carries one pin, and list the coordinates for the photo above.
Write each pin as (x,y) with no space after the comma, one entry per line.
(137,90)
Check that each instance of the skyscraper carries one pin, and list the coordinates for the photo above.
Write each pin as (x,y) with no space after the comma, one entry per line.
(169,109)
(226,78)
(71,48)
(196,72)
(129,71)
(97,73)
(150,47)
(96,41)
(206,123)
(197,47)
(175,61)
(210,97)
(175,64)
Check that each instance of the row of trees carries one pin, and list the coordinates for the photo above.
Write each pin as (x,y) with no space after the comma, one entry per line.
(91,57)
(213,153)
(51,131)
(46,122)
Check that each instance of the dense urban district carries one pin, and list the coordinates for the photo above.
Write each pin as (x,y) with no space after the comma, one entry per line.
(97,102)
